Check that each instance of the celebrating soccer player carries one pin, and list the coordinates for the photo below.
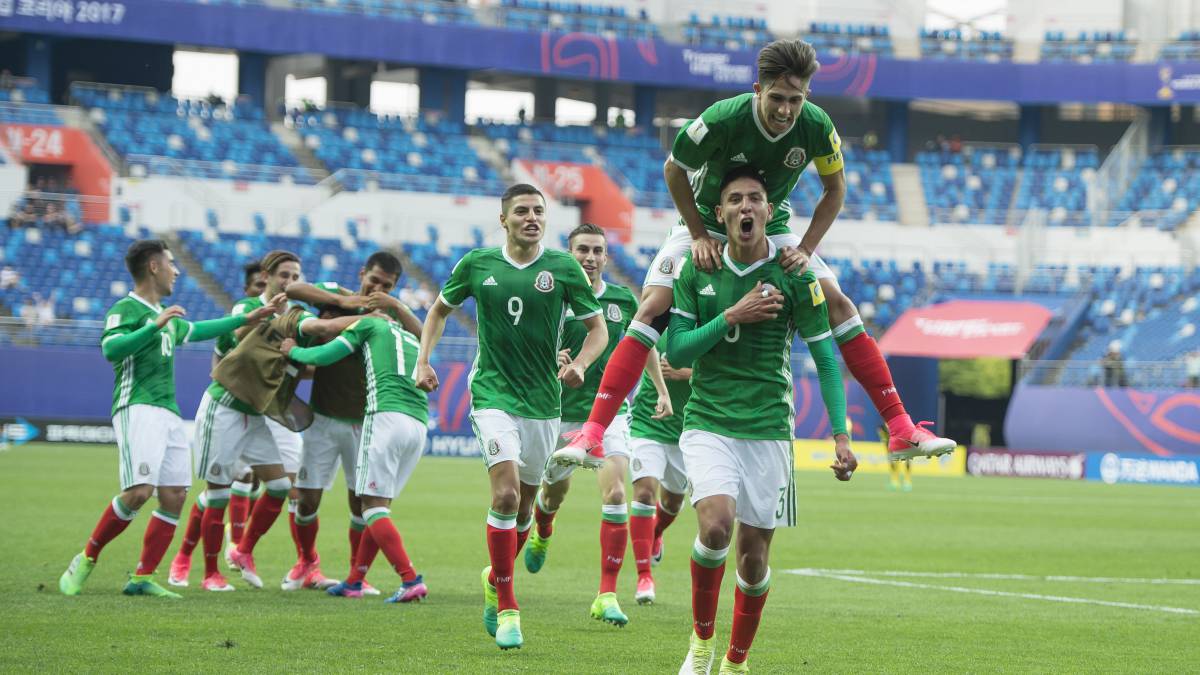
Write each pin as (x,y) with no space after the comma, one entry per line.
(588,245)
(139,339)
(734,326)
(780,131)
(522,292)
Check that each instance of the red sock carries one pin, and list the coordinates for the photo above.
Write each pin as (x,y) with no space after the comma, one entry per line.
(613,539)
(522,537)
(502,549)
(295,531)
(706,590)
(266,510)
(867,365)
(159,533)
(662,520)
(383,531)
(212,533)
(306,535)
(747,610)
(641,531)
(356,536)
(367,550)
(191,536)
(544,520)
(621,375)
(111,524)
(239,513)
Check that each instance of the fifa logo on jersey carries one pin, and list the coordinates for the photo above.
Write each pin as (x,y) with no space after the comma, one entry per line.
(544,282)
(818,295)
(795,158)
(614,313)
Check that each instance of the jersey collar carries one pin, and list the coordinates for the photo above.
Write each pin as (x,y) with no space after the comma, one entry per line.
(504,252)
(763,130)
(135,296)
(736,268)
(603,289)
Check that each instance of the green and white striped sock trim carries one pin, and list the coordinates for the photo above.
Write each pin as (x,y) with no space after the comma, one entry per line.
(524,527)
(374,514)
(293,507)
(357,524)
(123,512)
(542,505)
(218,499)
(258,492)
(666,510)
(615,513)
(502,521)
(279,487)
(707,557)
(202,500)
(643,333)
(757,589)
(242,489)
(848,330)
(640,510)
(305,520)
(171,519)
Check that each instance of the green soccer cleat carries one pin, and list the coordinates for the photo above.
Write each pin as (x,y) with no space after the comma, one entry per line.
(699,660)
(535,552)
(490,603)
(508,632)
(606,609)
(71,581)
(139,585)
(730,668)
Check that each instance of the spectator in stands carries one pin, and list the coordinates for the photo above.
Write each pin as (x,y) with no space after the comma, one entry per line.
(521,115)
(425,295)
(45,310)
(870,140)
(29,312)
(620,122)
(1191,366)
(1114,366)
(956,143)
(58,218)
(9,278)
(23,215)
(6,79)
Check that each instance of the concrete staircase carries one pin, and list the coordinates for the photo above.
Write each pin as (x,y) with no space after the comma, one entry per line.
(194,269)
(910,195)
(295,143)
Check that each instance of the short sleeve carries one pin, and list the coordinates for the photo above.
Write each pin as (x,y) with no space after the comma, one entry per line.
(239,309)
(685,304)
(117,323)
(304,318)
(827,150)
(580,298)
(811,316)
(697,142)
(458,286)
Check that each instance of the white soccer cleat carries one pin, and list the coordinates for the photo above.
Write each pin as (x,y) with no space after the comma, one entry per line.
(296,577)
(245,563)
(645,591)
(217,583)
(700,657)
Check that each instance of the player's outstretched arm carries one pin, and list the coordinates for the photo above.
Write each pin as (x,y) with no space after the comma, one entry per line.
(431,334)
(394,308)
(328,328)
(117,346)
(833,393)
(572,374)
(833,196)
(317,297)
(662,407)
(214,328)
(322,355)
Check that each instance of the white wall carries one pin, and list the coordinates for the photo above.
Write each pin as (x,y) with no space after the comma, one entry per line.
(13,179)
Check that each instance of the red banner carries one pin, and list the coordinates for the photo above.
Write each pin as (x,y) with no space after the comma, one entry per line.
(962,329)
(90,171)
(601,200)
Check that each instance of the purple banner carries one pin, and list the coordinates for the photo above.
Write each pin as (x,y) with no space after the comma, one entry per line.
(585,56)
(1023,464)
(1071,419)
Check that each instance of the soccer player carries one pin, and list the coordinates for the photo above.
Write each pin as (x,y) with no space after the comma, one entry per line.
(588,245)
(659,479)
(780,131)
(735,327)
(139,339)
(522,292)
(393,437)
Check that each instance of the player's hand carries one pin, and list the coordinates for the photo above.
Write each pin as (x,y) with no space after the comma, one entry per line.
(426,378)
(265,312)
(845,464)
(670,373)
(287,346)
(353,303)
(663,407)
(760,304)
(380,301)
(794,259)
(564,357)
(706,253)
(572,374)
(164,317)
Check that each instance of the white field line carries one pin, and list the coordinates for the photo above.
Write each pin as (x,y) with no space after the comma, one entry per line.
(996,576)
(982,591)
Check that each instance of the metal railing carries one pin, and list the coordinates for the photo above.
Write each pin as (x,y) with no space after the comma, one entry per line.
(193,168)
(1135,374)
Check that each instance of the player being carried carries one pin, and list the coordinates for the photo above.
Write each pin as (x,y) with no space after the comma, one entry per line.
(588,245)
(735,327)
(522,292)
(139,340)
(779,131)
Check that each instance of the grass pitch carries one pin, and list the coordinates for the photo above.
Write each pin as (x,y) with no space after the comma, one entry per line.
(888,609)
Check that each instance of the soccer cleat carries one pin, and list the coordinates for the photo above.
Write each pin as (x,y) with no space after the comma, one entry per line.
(181,566)
(699,660)
(907,487)
(147,586)
(490,604)
(656,552)
(71,581)
(318,581)
(508,630)
(535,552)
(297,577)
(919,442)
(410,591)
(645,591)
(730,668)
(217,583)
(344,589)
(368,589)
(606,609)
(245,563)
(229,549)
(579,452)
(894,486)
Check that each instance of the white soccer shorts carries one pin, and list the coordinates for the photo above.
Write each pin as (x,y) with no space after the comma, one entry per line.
(289,444)
(616,443)
(152,447)
(757,474)
(504,437)
(661,461)
(223,436)
(391,445)
(665,268)
(327,443)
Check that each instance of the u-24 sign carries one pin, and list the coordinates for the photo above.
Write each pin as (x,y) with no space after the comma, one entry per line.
(30,142)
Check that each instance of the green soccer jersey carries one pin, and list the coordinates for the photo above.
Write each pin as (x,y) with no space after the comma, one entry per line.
(666,430)
(147,376)
(389,355)
(520,310)
(229,341)
(618,305)
(730,134)
(742,387)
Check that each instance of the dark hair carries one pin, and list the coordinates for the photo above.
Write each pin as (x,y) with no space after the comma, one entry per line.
(386,262)
(137,258)
(276,258)
(787,57)
(250,270)
(585,228)
(744,171)
(518,190)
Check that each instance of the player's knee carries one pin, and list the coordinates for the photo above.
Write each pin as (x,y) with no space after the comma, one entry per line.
(171,498)
(643,491)
(752,566)
(614,494)
(715,534)
(505,499)
(309,502)
(136,496)
(671,501)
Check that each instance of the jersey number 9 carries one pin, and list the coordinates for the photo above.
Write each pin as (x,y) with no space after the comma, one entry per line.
(516,307)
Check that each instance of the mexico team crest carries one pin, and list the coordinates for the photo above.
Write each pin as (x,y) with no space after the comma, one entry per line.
(613,313)
(795,158)
(544,282)
(667,266)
